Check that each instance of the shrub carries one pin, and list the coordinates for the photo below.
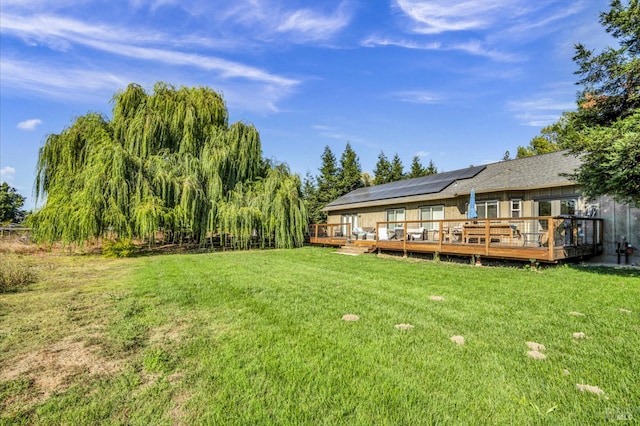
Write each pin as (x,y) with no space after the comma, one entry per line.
(15,275)
(120,247)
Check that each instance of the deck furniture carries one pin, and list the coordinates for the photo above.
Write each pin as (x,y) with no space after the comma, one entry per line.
(498,232)
(522,238)
(416,234)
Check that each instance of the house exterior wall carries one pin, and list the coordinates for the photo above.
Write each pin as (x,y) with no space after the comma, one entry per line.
(456,208)
(621,221)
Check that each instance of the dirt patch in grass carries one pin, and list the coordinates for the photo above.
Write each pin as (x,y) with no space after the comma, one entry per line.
(403,326)
(536,346)
(576,314)
(458,340)
(536,355)
(625,311)
(170,332)
(52,369)
(579,335)
(436,298)
(178,411)
(350,317)
(589,388)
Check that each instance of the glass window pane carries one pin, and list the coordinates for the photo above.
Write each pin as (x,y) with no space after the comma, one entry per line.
(492,209)
(544,208)
(568,207)
(481,210)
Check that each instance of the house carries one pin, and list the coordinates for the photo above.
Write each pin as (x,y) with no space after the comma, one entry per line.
(525,209)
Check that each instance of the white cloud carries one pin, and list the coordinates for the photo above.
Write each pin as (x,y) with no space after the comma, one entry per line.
(541,111)
(307,24)
(29,124)
(423,154)
(7,173)
(47,80)
(63,32)
(438,16)
(417,97)
(472,47)
(268,20)
(373,41)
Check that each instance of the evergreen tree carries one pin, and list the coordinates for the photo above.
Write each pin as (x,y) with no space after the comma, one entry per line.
(416,168)
(327,182)
(431,169)
(310,195)
(397,169)
(604,130)
(349,173)
(382,171)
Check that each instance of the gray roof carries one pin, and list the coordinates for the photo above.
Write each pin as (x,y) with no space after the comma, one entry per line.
(540,171)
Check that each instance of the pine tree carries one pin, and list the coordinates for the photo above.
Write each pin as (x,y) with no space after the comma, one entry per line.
(416,168)
(350,172)
(310,195)
(382,170)
(397,169)
(327,182)
(431,169)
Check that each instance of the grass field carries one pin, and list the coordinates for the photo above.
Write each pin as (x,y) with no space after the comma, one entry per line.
(258,338)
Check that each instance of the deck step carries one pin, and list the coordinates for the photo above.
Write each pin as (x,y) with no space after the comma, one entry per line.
(355,250)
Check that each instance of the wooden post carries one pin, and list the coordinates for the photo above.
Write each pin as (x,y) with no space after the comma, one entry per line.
(487,236)
(551,229)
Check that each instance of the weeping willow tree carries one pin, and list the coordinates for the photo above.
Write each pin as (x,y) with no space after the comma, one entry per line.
(167,162)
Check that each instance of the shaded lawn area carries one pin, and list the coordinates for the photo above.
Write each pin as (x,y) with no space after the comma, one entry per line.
(257,338)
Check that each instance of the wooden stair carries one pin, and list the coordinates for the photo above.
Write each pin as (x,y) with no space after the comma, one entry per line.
(351,249)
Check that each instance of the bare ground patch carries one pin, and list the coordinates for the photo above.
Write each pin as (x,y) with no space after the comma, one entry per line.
(52,368)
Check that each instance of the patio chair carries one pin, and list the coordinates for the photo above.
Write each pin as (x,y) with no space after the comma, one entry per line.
(368,233)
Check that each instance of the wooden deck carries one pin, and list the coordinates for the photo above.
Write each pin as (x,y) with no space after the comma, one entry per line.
(543,239)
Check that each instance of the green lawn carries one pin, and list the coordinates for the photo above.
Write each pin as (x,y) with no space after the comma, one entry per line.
(258,338)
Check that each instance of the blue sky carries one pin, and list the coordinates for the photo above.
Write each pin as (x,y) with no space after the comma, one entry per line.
(456,82)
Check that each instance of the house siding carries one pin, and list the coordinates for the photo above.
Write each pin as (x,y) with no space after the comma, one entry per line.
(455,208)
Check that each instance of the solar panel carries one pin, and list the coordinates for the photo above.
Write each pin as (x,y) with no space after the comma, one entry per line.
(404,188)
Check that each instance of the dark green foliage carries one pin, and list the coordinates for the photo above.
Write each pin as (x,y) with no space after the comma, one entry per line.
(611,79)
(431,169)
(169,162)
(328,172)
(612,165)
(604,129)
(10,204)
(350,172)
(417,169)
(397,169)
(382,171)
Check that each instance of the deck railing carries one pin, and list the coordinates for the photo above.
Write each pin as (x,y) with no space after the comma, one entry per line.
(544,238)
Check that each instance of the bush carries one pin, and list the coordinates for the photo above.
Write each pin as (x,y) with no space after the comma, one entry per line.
(120,247)
(14,275)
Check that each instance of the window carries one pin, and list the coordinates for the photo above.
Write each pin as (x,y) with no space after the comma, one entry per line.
(351,219)
(487,209)
(431,213)
(516,208)
(394,215)
(544,208)
(568,207)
